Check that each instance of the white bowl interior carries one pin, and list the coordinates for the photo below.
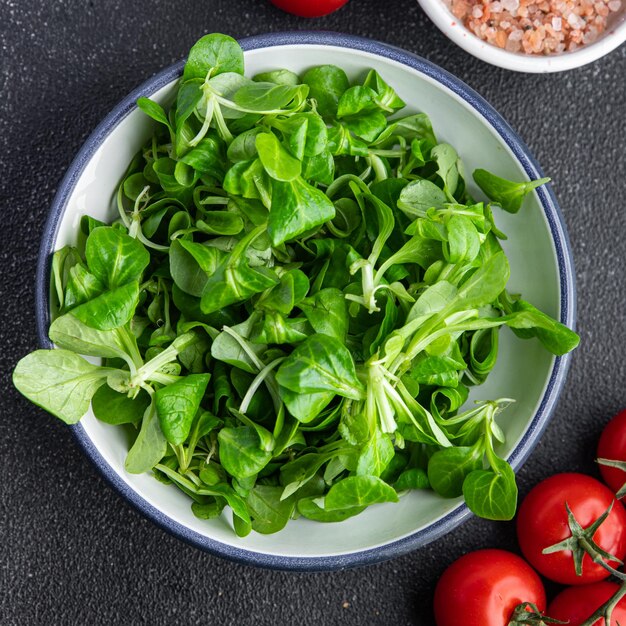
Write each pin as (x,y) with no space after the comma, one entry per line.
(523,368)
(613,36)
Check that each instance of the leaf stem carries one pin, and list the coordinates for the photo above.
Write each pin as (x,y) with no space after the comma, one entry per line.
(256,383)
(162,378)
(208,117)
(149,369)
(221,125)
(244,346)
(176,477)
(131,355)
(120,207)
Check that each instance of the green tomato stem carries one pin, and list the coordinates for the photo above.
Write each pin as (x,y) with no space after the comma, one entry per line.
(606,610)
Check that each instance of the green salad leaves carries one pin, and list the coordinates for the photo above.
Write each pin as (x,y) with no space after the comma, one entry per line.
(293,303)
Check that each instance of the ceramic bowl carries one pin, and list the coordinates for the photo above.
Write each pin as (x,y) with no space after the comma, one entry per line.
(541,269)
(451,27)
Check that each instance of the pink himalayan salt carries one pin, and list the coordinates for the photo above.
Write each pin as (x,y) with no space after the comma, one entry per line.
(590,36)
(535,26)
(510,5)
(575,21)
(513,45)
(602,9)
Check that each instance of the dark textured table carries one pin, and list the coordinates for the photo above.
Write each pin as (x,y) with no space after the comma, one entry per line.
(71,550)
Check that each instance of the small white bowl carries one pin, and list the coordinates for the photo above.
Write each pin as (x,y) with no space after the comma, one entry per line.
(541,269)
(453,28)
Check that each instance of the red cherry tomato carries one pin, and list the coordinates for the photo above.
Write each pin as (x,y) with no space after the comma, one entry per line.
(542,522)
(612,446)
(309,8)
(483,588)
(576,604)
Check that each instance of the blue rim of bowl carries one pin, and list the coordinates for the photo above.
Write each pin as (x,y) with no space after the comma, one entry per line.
(566,279)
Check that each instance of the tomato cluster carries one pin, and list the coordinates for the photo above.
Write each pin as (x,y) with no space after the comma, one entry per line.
(542,522)
(563,522)
(485,587)
(309,8)
(575,604)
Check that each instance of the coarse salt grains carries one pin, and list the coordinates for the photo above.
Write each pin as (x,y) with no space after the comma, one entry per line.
(535,26)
